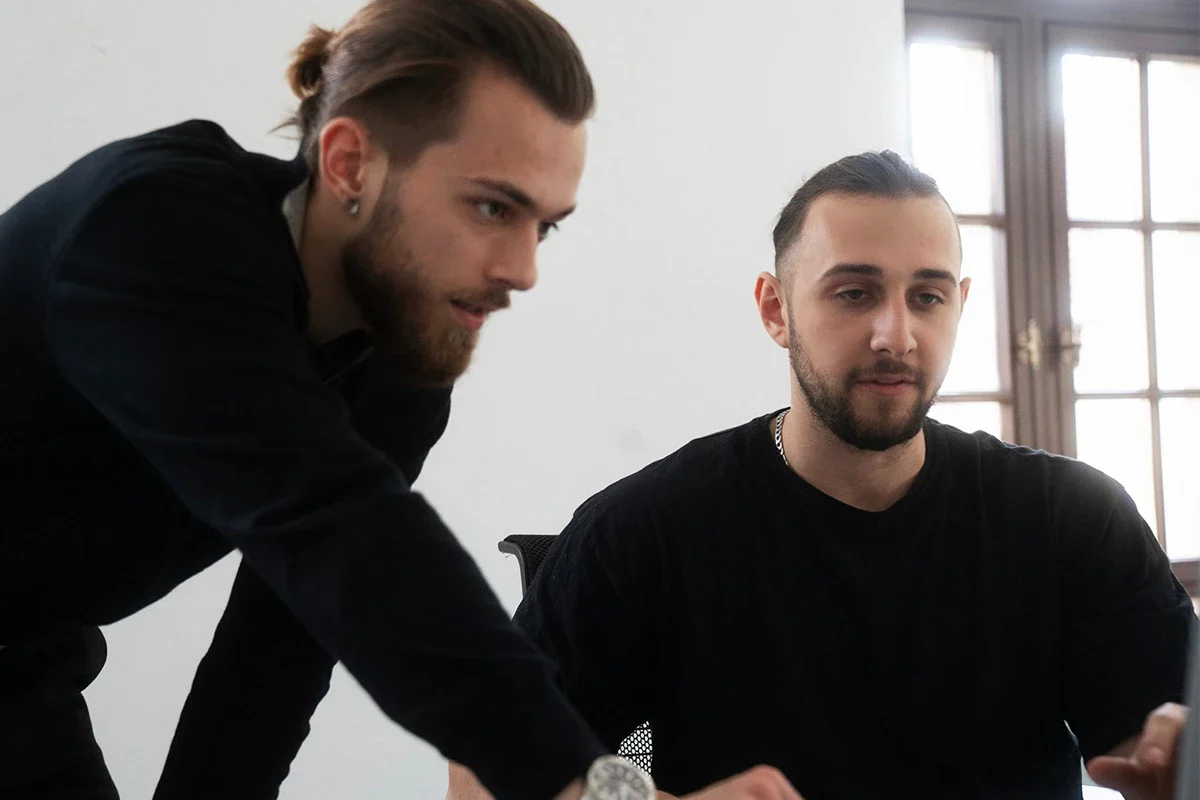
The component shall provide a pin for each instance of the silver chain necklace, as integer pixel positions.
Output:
(779, 438)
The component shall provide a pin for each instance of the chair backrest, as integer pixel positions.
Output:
(530, 550)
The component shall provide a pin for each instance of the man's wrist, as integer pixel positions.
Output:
(617, 778)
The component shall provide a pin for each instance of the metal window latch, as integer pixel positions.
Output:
(1029, 345)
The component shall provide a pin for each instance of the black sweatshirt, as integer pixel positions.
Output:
(162, 404)
(930, 650)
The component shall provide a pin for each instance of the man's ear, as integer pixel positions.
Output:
(345, 152)
(772, 307)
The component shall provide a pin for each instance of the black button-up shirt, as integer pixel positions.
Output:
(161, 404)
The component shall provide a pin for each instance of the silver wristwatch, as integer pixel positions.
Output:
(617, 778)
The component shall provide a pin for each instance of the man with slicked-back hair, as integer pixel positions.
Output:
(931, 613)
(207, 349)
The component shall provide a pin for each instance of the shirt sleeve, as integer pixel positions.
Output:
(403, 422)
(251, 701)
(593, 608)
(1125, 619)
(172, 314)
(263, 676)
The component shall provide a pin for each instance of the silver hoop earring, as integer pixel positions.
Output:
(352, 206)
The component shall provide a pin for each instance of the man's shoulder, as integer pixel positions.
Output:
(181, 212)
(196, 146)
(1004, 466)
(706, 470)
(203, 149)
(196, 156)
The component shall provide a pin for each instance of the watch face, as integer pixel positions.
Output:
(614, 778)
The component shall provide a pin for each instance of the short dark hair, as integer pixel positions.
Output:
(400, 68)
(876, 174)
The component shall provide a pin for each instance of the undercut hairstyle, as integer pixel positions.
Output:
(874, 174)
(400, 68)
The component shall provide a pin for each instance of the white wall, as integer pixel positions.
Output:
(641, 335)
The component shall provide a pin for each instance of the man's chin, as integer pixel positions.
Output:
(443, 375)
(879, 435)
(425, 370)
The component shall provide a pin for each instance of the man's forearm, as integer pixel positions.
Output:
(263, 671)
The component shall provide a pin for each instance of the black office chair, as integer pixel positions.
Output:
(530, 550)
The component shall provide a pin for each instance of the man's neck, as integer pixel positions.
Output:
(871, 481)
(331, 312)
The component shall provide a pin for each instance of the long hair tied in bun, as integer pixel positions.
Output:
(399, 67)
(304, 75)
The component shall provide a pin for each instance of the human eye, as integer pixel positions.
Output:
(491, 210)
(852, 297)
(929, 299)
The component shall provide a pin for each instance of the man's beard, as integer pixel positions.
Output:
(422, 345)
(833, 407)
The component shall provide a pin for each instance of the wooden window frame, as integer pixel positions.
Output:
(1029, 37)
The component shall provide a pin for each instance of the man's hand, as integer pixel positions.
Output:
(1144, 768)
(463, 785)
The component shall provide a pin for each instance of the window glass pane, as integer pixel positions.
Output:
(975, 365)
(1179, 419)
(1108, 302)
(971, 416)
(1174, 98)
(1114, 437)
(1176, 288)
(955, 122)
(1102, 117)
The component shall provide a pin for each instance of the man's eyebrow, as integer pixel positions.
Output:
(861, 270)
(517, 196)
(936, 275)
(872, 271)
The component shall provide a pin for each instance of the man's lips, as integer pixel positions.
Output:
(888, 379)
(888, 384)
(473, 315)
(469, 316)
